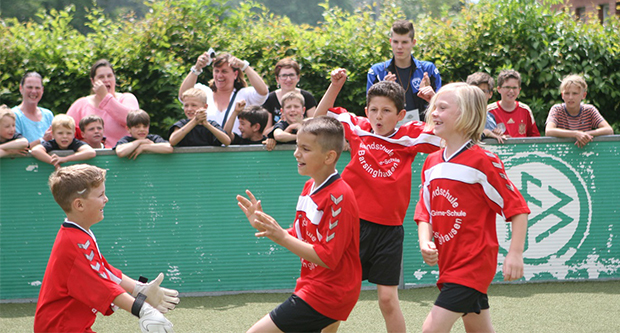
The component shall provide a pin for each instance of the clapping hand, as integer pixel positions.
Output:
(426, 91)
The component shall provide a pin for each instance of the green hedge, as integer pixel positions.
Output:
(153, 55)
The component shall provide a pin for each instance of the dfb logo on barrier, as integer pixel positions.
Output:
(561, 214)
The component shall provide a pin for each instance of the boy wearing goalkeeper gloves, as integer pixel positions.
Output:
(78, 280)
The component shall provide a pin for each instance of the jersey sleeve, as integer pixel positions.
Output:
(337, 229)
(94, 282)
(425, 140)
(421, 209)
(512, 202)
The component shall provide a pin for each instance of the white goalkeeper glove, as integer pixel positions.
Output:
(152, 321)
(160, 298)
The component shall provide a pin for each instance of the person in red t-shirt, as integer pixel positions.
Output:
(78, 280)
(380, 175)
(325, 236)
(514, 118)
(464, 187)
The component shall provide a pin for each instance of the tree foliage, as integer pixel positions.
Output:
(152, 55)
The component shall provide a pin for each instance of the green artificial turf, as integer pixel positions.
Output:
(533, 307)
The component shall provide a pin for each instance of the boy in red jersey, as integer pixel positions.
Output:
(325, 236)
(78, 280)
(380, 175)
(514, 117)
(464, 187)
(574, 119)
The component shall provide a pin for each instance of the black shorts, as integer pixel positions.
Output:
(381, 252)
(295, 315)
(458, 298)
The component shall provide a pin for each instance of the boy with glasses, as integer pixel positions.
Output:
(516, 119)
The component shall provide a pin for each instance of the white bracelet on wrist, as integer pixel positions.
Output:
(195, 71)
(245, 65)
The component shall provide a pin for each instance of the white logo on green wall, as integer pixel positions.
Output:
(561, 213)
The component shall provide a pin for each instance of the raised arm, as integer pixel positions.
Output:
(255, 80)
(338, 78)
(230, 122)
(192, 76)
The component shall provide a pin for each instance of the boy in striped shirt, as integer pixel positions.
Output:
(574, 119)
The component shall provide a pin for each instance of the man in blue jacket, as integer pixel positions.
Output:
(420, 79)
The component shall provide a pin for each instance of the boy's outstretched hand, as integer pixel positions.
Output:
(250, 208)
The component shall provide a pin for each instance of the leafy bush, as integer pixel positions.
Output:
(153, 55)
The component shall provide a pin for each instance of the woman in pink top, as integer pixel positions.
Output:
(105, 102)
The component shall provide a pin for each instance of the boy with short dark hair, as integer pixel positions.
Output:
(574, 119)
(486, 83)
(63, 133)
(252, 122)
(196, 130)
(139, 140)
(510, 115)
(380, 175)
(11, 142)
(325, 236)
(78, 280)
(91, 128)
(293, 110)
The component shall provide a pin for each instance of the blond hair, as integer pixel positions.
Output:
(62, 120)
(472, 104)
(293, 95)
(6, 112)
(74, 181)
(195, 92)
(576, 80)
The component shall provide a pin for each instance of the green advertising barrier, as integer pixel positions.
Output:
(177, 214)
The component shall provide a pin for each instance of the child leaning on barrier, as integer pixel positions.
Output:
(139, 140)
(63, 133)
(11, 142)
(252, 121)
(78, 280)
(574, 119)
(510, 115)
(92, 131)
(196, 129)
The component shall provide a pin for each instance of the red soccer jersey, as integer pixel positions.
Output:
(380, 167)
(78, 283)
(460, 197)
(519, 122)
(327, 218)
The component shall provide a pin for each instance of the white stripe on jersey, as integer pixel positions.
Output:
(461, 173)
(405, 141)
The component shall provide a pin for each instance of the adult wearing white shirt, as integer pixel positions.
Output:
(227, 87)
